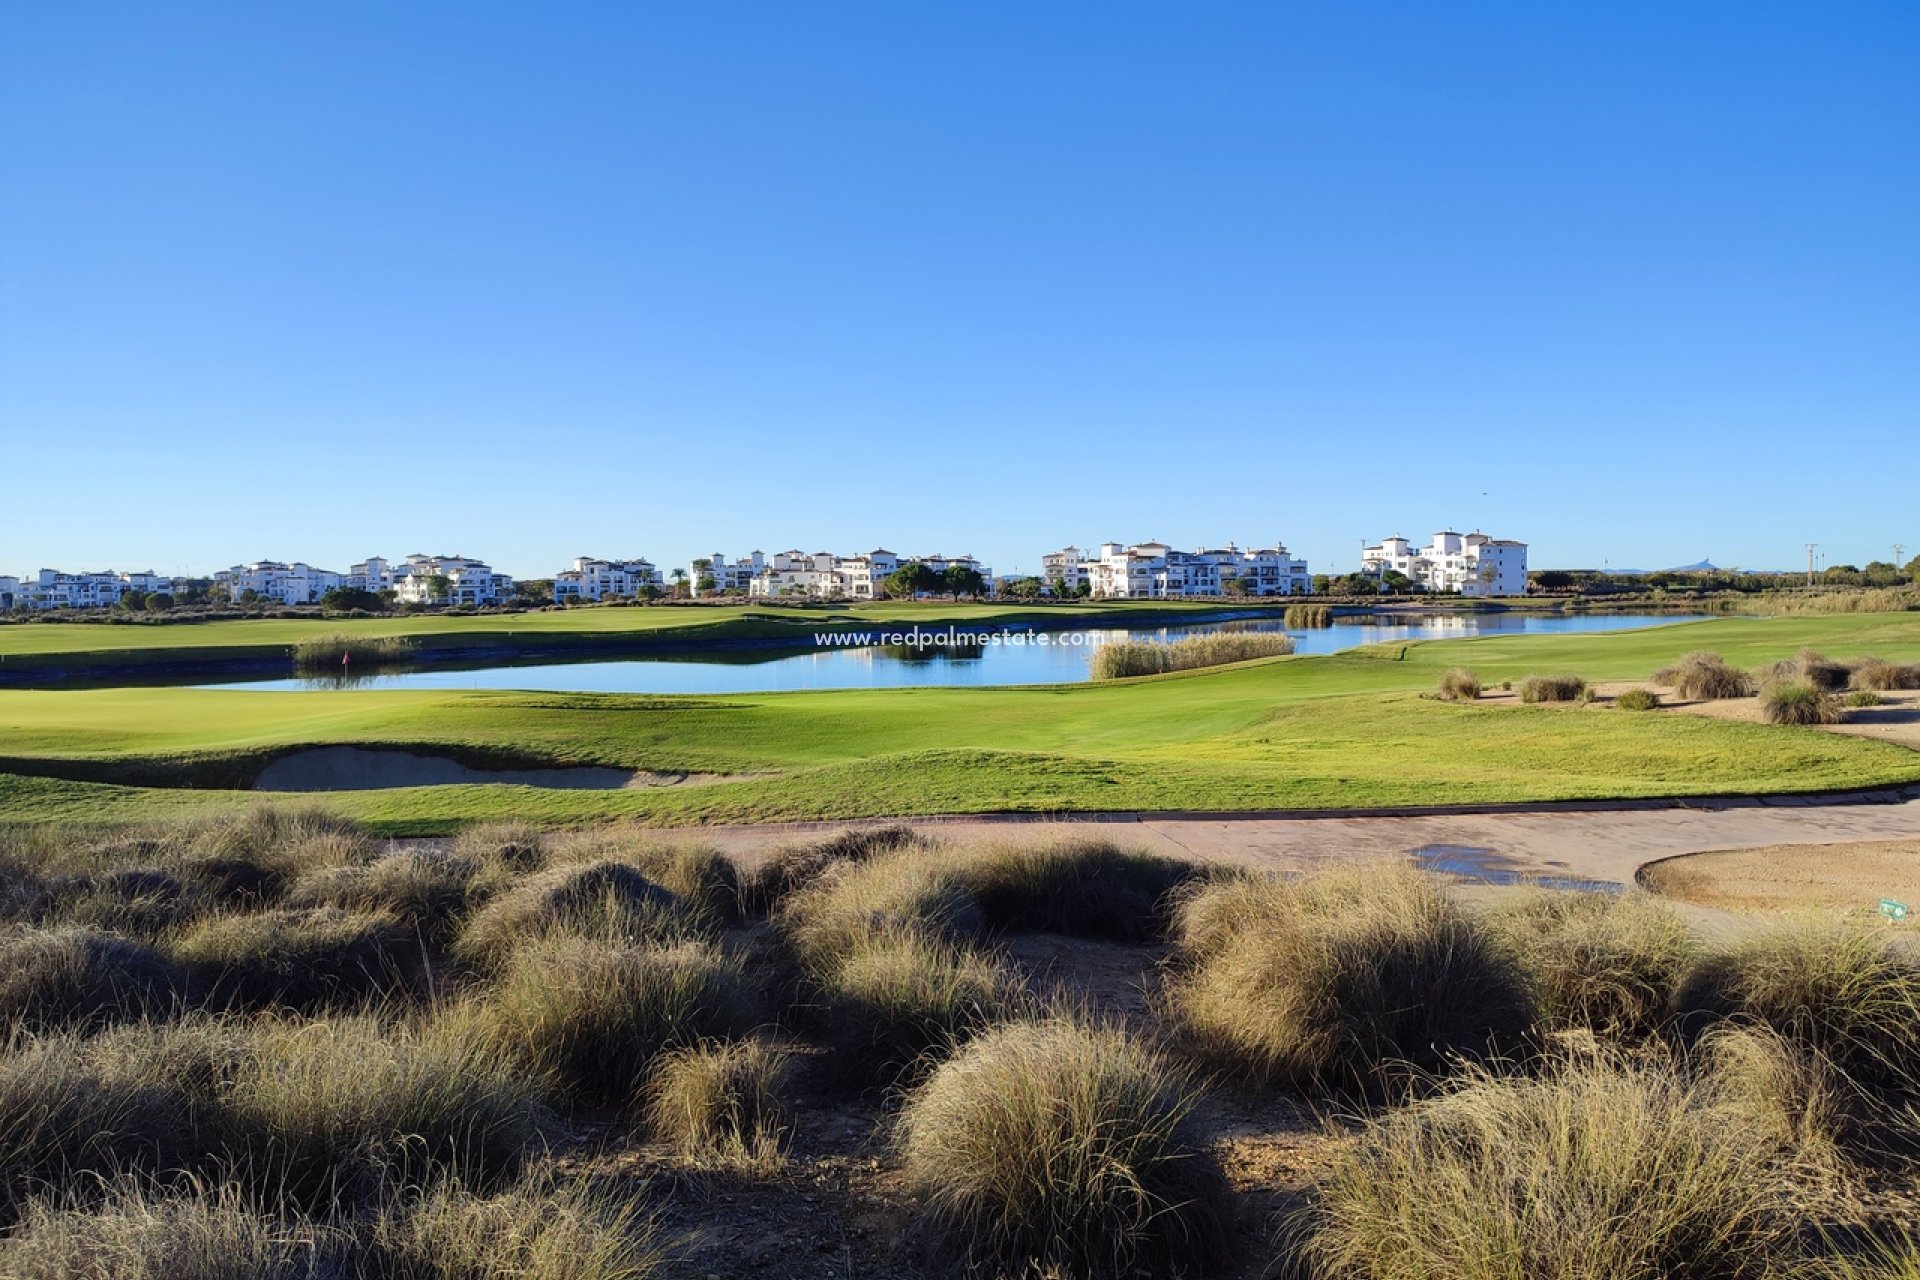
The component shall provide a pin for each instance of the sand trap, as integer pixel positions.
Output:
(1829, 881)
(374, 769)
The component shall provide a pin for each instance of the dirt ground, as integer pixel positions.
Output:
(1831, 882)
(1896, 720)
(839, 1209)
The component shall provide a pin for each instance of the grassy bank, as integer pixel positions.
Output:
(76, 645)
(1348, 730)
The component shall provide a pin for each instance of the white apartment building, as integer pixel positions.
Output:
(592, 579)
(727, 575)
(821, 575)
(469, 582)
(1152, 570)
(296, 583)
(52, 589)
(10, 593)
(1469, 564)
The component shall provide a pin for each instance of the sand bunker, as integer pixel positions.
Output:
(1845, 880)
(374, 769)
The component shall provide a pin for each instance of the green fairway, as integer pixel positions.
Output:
(1348, 730)
(109, 643)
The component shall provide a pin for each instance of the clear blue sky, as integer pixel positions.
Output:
(1635, 282)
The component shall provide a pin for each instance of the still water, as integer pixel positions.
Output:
(1044, 657)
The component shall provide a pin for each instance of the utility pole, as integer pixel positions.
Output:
(1811, 548)
(1899, 555)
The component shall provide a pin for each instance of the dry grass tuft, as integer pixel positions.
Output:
(1637, 700)
(719, 1104)
(324, 1111)
(428, 891)
(592, 1016)
(56, 978)
(303, 960)
(793, 867)
(1596, 1170)
(1598, 962)
(1060, 1148)
(850, 901)
(1798, 702)
(1123, 659)
(1850, 997)
(1076, 885)
(1880, 676)
(1554, 689)
(1458, 685)
(536, 1231)
(607, 901)
(898, 1000)
(1704, 676)
(200, 1233)
(1349, 978)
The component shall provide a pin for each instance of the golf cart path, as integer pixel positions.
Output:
(1607, 844)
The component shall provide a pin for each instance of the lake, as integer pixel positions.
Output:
(1041, 657)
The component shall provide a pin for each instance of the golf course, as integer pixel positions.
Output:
(1350, 731)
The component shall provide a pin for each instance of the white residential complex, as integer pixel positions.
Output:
(592, 579)
(468, 581)
(464, 581)
(1154, 570)
(1469, 564)
(51, 589)
(819, 575)
(295, 583)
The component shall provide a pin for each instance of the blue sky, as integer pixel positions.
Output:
(1635, 282)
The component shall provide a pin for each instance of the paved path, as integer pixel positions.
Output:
(1596, 843)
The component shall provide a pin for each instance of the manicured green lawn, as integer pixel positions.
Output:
(1346, 730)
(47, 643)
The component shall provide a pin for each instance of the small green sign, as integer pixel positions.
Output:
(1893, 910)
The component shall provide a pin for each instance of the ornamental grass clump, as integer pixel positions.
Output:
(1058, 1147)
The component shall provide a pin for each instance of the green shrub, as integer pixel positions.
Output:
(1703, 677)
(194, 1234)
(1598, 1170)
(1797, 702)
(719, 1104)
(303, 960)
(1122, 659)
(592, 1016)
(1458, 685)
(1850, 997)
(604, 901)
(1637, 700)
(532, 1232)
(1862, 698)
(1078, 885)
(83, 978)
(1059, 1148)
(1554, 689)
(1880, 676)
(1600, 962)
(1346, 977)
(795, 866)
